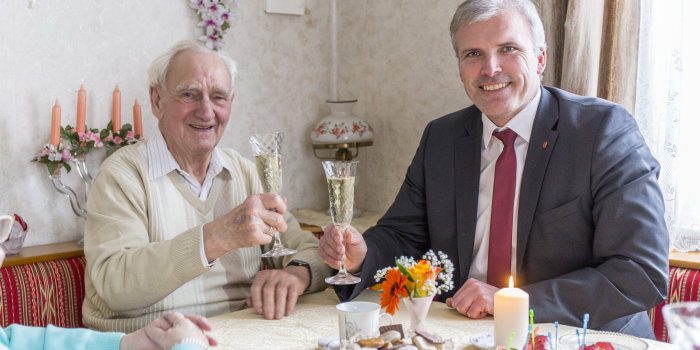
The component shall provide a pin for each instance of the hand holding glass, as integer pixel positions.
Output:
(268, 160)
(341, 193)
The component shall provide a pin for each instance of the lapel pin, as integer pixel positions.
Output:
(544, 145)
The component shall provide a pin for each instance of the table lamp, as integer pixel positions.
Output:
(341, 130)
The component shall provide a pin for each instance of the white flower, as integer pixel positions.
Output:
(211, 42)
(215, 17)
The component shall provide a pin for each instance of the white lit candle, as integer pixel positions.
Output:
(510, 313)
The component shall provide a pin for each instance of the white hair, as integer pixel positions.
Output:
(159, 69)
(472, 11)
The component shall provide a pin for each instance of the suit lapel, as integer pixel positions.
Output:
(542, 142)
(467, 151)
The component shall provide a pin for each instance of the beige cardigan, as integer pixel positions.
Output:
(142, 244)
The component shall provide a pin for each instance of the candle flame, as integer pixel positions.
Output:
(510, 282)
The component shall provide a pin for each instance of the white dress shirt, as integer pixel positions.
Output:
(491, 148)
(161, 162)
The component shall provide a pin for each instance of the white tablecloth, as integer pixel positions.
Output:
(315, 317)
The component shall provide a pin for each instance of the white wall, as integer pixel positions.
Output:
(395, 56)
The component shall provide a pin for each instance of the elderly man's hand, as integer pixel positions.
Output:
(249, 224)
(474, 299)
(334, 248)
(274, 293)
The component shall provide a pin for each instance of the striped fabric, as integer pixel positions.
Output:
(684, 285)
(43, 293)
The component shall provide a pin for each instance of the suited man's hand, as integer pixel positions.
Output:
(474, 299)
(334, 250)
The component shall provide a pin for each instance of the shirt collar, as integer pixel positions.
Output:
(521, 123)
(161, 161)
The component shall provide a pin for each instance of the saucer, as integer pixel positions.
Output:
(329, 343)
(483, 340)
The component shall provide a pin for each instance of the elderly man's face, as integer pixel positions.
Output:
(497, 66)
(194, 107)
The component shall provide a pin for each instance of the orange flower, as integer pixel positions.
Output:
(393, 288)
(423, 272)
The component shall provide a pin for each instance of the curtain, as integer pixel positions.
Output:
(592, 47)
(667, 97)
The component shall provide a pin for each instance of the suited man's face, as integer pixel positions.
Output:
(497, 65)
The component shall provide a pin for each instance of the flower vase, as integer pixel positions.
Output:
(418, 312)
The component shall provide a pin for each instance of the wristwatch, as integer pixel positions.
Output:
(300, 263)
(304, 264)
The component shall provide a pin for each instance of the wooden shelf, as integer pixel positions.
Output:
(313, 228)
(46, 252)
(689, 260)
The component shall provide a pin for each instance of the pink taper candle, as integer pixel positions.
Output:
(137, 118)
(56, 124)
(116, 110)
(80, 121)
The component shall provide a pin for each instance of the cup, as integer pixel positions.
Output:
(6, 222)
(359, 319)
(683, 323)
(12, 243)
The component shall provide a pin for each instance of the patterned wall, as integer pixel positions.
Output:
(394, 56)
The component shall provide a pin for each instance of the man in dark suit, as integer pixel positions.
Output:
(582, 209)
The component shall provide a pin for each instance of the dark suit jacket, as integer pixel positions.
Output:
(591, 236)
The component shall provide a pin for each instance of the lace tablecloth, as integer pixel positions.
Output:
(314, 217)
(315, 317)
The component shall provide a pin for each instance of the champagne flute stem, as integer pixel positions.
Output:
(342, 270)
(277, 238)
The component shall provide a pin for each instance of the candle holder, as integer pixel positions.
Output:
(74, 151)
(76, 203)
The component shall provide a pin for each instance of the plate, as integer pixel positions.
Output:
(618, 340)
(483, 340)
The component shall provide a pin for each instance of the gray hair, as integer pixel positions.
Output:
(158, 71)
(472, 11)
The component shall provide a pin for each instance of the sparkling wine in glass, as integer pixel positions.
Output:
(268, 160)
(341, 192)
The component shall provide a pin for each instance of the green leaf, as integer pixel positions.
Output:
(52, 167)
(403, 270)
(225, 26)
(65, 165)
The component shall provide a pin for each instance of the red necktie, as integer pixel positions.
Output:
(500, 238)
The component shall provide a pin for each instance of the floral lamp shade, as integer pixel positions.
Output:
(341, 126)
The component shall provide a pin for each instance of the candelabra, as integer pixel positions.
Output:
(77, 203)
(74, 151)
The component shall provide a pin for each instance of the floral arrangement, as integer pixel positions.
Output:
(112, 142)
(429, 276)
(80, 143)
(54, 157)
(216, 19)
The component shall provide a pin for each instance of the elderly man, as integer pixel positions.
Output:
(558, 190)
(175, 223)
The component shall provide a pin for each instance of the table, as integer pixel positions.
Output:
(315, 317)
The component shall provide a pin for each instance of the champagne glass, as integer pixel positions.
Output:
(268, 160)
(341, 182)
(683, 323)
